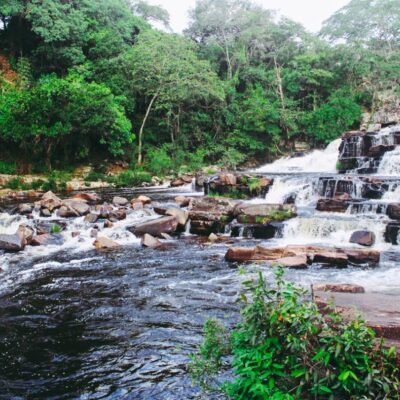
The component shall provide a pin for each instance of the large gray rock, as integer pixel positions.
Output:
(181, 216)
(120, 201)
(24, 209)
(26, 233)
(156, 227)
(13, 243)
(80, 207)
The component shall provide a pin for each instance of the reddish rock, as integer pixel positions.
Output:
(117, 215)
(180, 215)
(91, 198)
(104, 243)
(47, 239)
(108, 224)
(24, 209)
(333, 258)
(338, 288)
(181, 181)
(26, 233)
(79, 207)
(50, 201)
(137, 205)
(150, 241)
(240, 254)
(332, 205)
(228, 179)
(182, 201)
(12, 243)
(156, 227)
(144, 199)
(363, 238)
(91, 218)
(120, 201)
(299, 262)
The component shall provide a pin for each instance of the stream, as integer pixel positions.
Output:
(76, 323)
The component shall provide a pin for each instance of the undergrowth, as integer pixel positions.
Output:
(284, 348)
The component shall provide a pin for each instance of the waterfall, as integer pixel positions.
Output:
(390, 164)
(316, 161)
(303, 189)
(329, 230)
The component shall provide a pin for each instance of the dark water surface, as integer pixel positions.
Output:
(111, 325)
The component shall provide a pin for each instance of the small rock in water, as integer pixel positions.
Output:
(94, 233)
(45, 212)
(182, 201)
(91, 198)
(150, 241)
(363, 238)
(299, 262)
(120, 201)
(91, 218)
(26, 233)
(136, 205)
(338, 288)
(108, 224)
(103, 243)
(50, 201)
(142, 199)
(67, 212)
(75, 234)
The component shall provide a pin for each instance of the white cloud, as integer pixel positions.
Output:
(310, 13)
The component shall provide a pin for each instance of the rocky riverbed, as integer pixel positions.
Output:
(103, 294)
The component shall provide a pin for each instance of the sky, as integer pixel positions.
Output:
(310, 13)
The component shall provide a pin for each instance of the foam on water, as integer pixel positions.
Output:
(316, 161)
(390, 163)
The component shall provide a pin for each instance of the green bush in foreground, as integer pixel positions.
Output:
(284, 348)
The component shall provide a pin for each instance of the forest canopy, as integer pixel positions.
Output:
(88, 80)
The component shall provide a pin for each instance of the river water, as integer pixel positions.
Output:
(80, 324)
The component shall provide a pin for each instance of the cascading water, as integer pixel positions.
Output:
(390, 163)
(316, 161)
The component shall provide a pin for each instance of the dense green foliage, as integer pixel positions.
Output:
(92, 79)
(284, 348)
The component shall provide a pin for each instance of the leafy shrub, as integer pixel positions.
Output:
(15, 183)
(159, 162)
(284, 348)
(94, 176)
(8, 168)
(131, 178)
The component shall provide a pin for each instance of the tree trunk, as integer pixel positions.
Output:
(140, 144)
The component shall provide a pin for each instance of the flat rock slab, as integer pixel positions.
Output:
(380, 311)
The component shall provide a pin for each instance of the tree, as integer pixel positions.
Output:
(64, 117)
(165, 71)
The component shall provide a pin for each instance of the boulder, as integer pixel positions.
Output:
(50, 201)
(241, 254)
(12, 243)
(370, 257)
(392, 232)
(117, 215)
(104, 210)
(181, 216)
(90, 198)
(91, 218)
(166, 236)
(228, 179)
(338, 288)
(47, 239)
(24, 209)
(363, 238)
(136, 205)
(299, 262)
(26, 233)
(104, 243)
(120, 201)
(182, 201)
(144, 199)
(43, 227)
(80, 207)
(156, 227)
(182, 181)
(393, 211)
(108, 224)
(45, 213)
(67, 212)
(150, 241)
(213, 238)
(331, 257)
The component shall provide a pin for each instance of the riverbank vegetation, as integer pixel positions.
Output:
(285, 348)
(93, 81)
